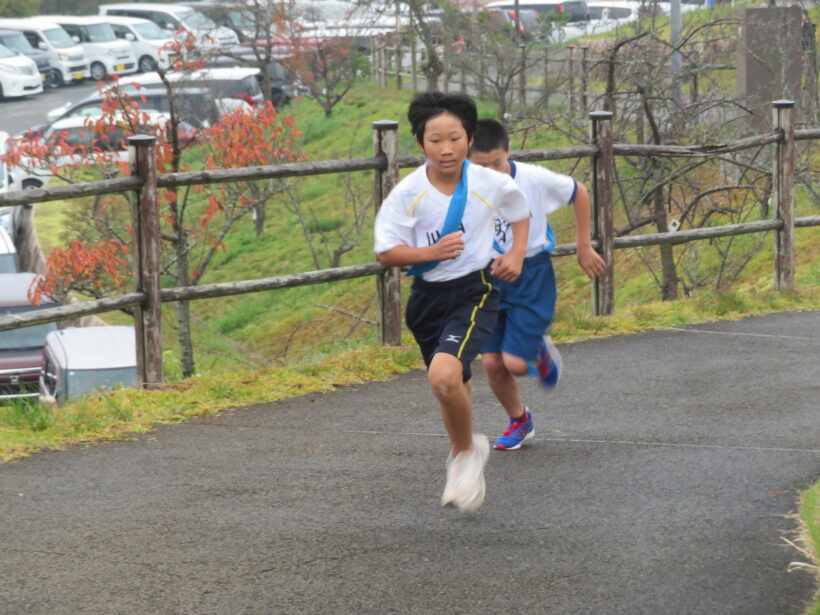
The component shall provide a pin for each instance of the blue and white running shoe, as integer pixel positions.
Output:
(516, 433)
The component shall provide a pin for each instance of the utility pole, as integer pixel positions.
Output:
(675, 39)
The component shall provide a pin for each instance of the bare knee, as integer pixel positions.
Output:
(493, 364)
(446, 377)
(515, 365)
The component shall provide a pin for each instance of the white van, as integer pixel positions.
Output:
(19, 75)
(65, 55)
(82, 360)
(148, 41)
(176, 17)
(108, 55)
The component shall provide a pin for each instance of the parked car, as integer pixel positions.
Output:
(21, 350)
(18, 75)
(69, 62)
(576, 11)
(527, 20)
(148, 41)
(9, 262)
(18, 43)
(194, 104)
(238, 83)
(74, 143)
(108, 55)
(82, 360)
(175, 18)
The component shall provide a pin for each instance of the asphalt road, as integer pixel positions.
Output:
(17, 114)
(662, 480)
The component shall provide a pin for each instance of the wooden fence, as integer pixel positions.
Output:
(147, 297)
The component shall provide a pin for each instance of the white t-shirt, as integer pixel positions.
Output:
(413, 215)
(546, 192)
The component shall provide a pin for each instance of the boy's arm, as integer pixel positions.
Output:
(590, 261)
(446, 248)
(508, 266)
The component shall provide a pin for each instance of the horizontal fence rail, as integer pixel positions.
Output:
(386, 163)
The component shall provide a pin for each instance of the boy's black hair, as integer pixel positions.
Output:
(490, 134)
(430, 104)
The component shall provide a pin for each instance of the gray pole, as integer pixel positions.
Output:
(675, 39)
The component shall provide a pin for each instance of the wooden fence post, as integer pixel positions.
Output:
(783, 111)
(388, 283)
(522, 76)
(571, 82)
(603, 287)
(148, 316)
(584, 79)
(398, 44)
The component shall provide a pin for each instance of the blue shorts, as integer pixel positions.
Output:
(454, 317)
(527, 309)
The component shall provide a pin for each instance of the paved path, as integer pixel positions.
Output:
(661, 482)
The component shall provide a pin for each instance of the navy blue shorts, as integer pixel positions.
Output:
(527, 309)
(455, 316)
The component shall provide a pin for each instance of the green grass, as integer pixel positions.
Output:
(809, 539)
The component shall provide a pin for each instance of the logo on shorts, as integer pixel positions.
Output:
(453, 338)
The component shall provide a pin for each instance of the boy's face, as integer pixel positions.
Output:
(445, 143)
(497, 159)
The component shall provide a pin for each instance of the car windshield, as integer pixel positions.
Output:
(100, 33)
(17, 42)
(24, 337)
(5, 52)
(196, 20)
(59, 38)
(151, 31)
(82, 381)
(241, 19)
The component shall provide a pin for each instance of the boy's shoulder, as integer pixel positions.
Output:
(535, 172)
(486, 177)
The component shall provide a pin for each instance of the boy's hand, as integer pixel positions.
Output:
(591, 262)
(448, 247)
(507, 267)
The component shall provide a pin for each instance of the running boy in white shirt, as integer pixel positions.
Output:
(440, 220)
(518, 346)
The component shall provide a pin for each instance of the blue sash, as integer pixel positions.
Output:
(452, 222)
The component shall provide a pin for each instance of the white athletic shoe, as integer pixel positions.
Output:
(465, 476)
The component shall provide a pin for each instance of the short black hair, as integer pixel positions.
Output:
(490, 134)
(430, 104)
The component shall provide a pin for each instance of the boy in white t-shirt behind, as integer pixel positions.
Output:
(440, 219)
(518, 345)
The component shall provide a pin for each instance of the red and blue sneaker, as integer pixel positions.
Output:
(516, 433)
(548, 364)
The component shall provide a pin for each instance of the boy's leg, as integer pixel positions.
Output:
(445, 376)
(502, 383)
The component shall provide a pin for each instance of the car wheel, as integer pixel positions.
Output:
(32, 184)
(54, 78)
(147, 64)
(97, 71)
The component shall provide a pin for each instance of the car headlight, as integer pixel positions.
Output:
(13, 70)
(111, 52)
(63, 55)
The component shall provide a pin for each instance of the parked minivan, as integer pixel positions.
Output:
(65, 55)
(18, 43)
(108, 55)
(81, 360)
(18, 75)
(176, 17)
(148, 41)
(21, 350)
(575, 10)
